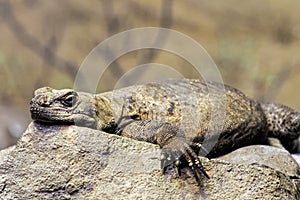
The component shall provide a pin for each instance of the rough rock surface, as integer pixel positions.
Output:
(297, 157)
(273, 157)
(69, 162)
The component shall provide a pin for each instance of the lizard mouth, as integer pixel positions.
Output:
(54, 116)
(61, 116)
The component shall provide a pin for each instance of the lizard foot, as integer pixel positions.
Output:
(177, 152)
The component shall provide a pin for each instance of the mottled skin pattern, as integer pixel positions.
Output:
(284, 124)
(184, 117)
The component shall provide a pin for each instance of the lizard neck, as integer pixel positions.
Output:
(104, 114)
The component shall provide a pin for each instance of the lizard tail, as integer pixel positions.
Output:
(284, 124)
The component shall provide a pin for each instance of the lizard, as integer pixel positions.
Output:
(184, 117)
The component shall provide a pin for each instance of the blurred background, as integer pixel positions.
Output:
(255, 45)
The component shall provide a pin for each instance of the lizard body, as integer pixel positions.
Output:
(181, 116)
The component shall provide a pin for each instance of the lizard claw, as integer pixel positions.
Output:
(169, 158)
(177, 152)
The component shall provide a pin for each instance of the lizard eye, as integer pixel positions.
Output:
(70, 99)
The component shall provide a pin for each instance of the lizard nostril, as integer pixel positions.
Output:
(44, 101)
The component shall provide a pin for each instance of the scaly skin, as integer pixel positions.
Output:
(181, 116)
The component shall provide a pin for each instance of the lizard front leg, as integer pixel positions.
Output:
(175, 147)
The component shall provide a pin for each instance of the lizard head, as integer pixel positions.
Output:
(67, 106)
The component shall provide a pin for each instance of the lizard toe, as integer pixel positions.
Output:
(179, 154)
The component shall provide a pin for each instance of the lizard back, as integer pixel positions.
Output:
(219, 116)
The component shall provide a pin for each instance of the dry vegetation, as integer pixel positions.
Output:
(254, 43)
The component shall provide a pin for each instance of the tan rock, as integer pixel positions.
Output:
(69, 162)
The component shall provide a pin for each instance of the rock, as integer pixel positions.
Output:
(276, 143)
(276, 158)
(4, 153)
(297, 157)
(69, 162)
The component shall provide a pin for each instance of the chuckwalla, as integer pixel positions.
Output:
(186, 118)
